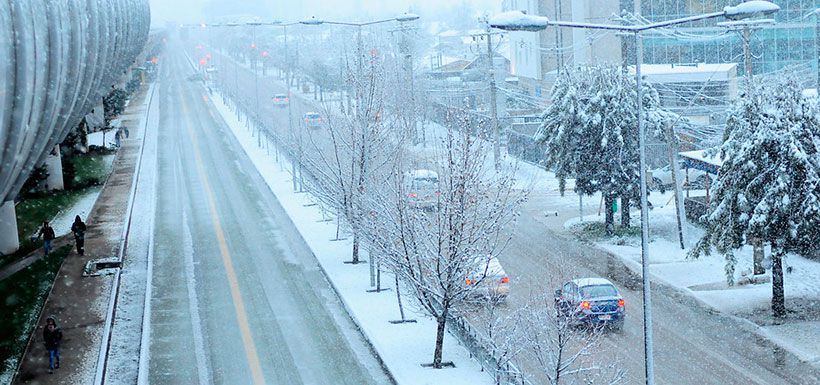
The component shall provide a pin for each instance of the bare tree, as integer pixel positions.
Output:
(350, 150)
(434, 250)
(553, 349)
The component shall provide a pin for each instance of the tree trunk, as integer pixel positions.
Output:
(442, 322)
(378, 276)
(778, 297)
(610, 216)
(757, 253)
(625, 219)
(398, 297)
(355, 247)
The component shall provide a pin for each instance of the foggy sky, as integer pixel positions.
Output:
(191, 11)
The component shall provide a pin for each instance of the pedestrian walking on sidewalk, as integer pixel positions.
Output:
(117, 140)
(78, 228)
(47, 233)
(52, 335)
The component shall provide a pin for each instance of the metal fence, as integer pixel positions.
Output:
(480, 347)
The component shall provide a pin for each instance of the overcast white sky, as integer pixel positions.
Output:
(190, 11)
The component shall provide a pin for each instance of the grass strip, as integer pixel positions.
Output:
(21, 297)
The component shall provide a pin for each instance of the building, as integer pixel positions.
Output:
(790, 42)
(533, 56)
(700, 92)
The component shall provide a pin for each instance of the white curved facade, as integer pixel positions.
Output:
(57, 59)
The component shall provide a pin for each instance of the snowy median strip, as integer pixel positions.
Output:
(403, 348)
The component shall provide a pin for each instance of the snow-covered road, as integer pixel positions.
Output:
(237, 296)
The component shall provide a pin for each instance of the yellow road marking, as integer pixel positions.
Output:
(227, 261)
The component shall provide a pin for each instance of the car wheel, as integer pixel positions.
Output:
(700, 182)
(659, 184)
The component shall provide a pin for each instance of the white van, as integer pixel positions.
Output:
(422, 188)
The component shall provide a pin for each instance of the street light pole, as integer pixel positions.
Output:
(647, 298)
(359, 48)
(493, 102)
(408, 63)
(254, 66)
(294, 170)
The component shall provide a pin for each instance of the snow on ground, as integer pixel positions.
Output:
(127, 328)
(403, 348)
(102, 139)
(82, 207)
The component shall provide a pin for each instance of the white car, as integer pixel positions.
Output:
(489, 277)
(422, 188)
(661, 178)
(280, 100)
(312, 120)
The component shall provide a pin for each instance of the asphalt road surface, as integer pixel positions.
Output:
(237, 296)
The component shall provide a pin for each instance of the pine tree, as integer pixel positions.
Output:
(769, 183)
(590, 133)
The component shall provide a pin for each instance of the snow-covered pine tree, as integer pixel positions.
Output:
(590, 132)
(769, 183)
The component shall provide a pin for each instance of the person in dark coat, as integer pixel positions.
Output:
(47, 233)
(52, 335)
(78, 228)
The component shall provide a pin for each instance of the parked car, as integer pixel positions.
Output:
(490, 279)
(422, 188)
(591, 301)
(661, 179)
(280, 100)
(312, 120)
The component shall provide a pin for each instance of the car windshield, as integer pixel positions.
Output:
(280, 96)
(425, 183)
(312, 116)
(598, 291)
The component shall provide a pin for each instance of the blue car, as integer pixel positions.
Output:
(591, 301)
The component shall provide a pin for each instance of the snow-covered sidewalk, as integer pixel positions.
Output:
(404, 347)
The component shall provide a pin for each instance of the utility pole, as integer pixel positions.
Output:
(674, 167)
(496, 130)
(747, 51)
(254, 65)
(407, 52)
(745, 27)
(559, 38)
(293, 163)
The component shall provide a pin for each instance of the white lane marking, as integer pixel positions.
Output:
(203, 366)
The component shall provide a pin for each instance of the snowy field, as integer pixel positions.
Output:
(403, 348)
